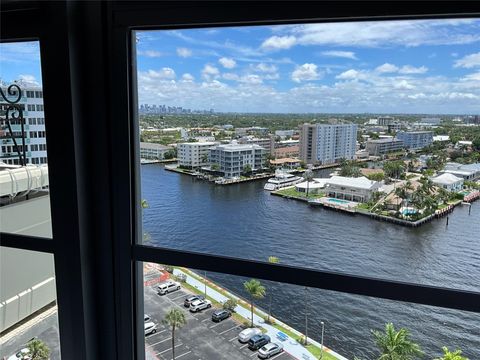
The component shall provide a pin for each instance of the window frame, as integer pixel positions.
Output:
(187, 16)
(99, 261)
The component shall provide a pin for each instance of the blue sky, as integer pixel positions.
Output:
(382, 67)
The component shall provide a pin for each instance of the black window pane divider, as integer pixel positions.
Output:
(27, 242)
(327, 280)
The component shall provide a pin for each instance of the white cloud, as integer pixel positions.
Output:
(403, 85)
(279, 42)
(251, 79)
(382, 33)
(230, 76)
(184, 52)
(227, 63)
(28, 79)
(164, 73)
(468, 61)
(473, 77)
(351, 75)
(408, 69)
(340, 54)
(306, 72)
(386, 68)
(150, 53)
(188, 77)
(210, 72)
(265, 68)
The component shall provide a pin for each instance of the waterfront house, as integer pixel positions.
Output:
(153, 151)
(358, 189)
(470, 172)
(286, 163)
(315, 186)
(448, 182)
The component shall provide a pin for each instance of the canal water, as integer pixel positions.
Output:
(245, 221)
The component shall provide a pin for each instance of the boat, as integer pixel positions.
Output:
(281, 180)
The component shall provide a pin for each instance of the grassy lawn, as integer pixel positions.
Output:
(364, 206)
(294, 193)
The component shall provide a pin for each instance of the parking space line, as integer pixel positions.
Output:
(278, 355)
(156, 333)
(232, 338)
(178, 297)
(205, 319)
(158, 342)
(211, 327)
(255, 353)
(241, 347)
(179, 356)
(223, 332)
(169, 349)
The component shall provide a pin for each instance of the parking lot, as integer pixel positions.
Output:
(200, 338)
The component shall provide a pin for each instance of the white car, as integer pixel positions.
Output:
(150, 328)
(168, 287)
(146, 318)
(199, 305)
(269, 350)
(247, 334)
(23, 354)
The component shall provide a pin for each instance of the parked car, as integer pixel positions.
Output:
(23, 354)
(146, 318)
(257, 341)
(219, 315)
(191, 299)
(168, 287)
(150, 328)
(247, 334)
(199, 305)
(269, 350)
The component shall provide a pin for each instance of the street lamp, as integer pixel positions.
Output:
(321, 344)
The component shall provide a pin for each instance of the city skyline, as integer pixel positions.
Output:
(414, 66)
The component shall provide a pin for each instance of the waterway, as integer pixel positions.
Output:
(245, 221)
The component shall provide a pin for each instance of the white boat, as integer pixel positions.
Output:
(281, 180)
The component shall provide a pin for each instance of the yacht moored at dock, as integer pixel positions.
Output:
(281, 180)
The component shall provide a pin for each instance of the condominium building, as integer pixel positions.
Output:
(194, 154)
(327, 144)
(415, 139)
(267, 143)
(383, 146)
(153, 151)
(31, 102)
(232, 159)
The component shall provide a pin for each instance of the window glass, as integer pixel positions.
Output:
(28, 310)
(24, 194)
(285, 313)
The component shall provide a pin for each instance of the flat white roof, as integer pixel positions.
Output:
(237, 147)
(145, 145)
(206, 143)
(359, 182)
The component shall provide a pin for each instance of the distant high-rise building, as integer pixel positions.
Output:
(327, 144)
(34, 128)
(415, 139)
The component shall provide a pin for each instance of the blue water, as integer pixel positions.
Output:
(245, 221)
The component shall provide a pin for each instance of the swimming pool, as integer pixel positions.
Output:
(409, 211)
(338, 201)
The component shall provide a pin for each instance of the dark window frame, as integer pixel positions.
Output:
(99, 262)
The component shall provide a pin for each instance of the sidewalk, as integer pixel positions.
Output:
(290, 345)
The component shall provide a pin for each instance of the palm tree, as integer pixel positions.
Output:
(38, 350)
(271, 260)
(308, 176)
(256, 291)
(448, 355)
(174, 319)
(396, 345)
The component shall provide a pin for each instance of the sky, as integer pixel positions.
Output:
(412, 66)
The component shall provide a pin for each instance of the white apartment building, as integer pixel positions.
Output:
(153, 151)
(194, 154)
(327, 144)
(232, 158)
(35, 140)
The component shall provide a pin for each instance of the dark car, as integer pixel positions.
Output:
(220, 315)
(191, 299)
(258, 341)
